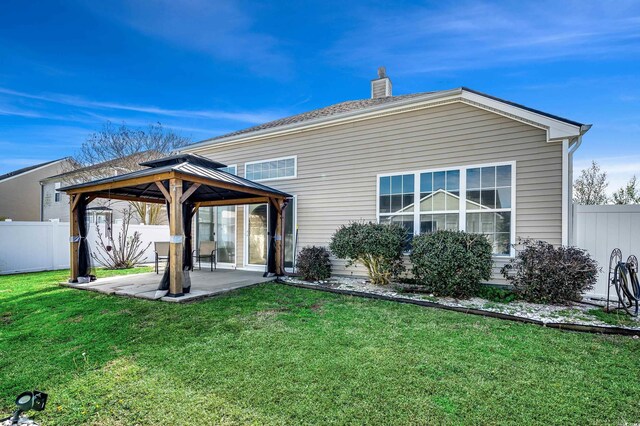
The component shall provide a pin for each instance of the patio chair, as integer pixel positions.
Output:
(161, 249)
(207, 250)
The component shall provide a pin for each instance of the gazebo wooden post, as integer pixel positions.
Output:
(279, 235)
(176, 238)
(74, 240)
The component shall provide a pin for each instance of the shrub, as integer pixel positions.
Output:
(496, 294)
(377, 246)
(451, 263)
(124, 252)
(542, 273)
(313, 263)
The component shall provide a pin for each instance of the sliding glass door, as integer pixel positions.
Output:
(256, 228)
(226, 234)
(290, 218)
(219, 224)
(256, 235)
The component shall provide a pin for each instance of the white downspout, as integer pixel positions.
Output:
(576, 142)
(565, 192)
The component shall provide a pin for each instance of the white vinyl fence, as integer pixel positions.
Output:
(44, 246)
(600, 229)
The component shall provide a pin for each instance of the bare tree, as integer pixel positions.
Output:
(118, 149)
(629, 194)
(591, 186)
(123, 252)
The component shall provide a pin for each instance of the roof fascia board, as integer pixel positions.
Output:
(556, 130)
(32, 170)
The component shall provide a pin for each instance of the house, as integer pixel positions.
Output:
(55, 203)
(450, 159)
(20, 190)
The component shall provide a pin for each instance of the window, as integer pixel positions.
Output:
(56, 196)
(489, 205)
(230, 169)
(289, 234)
(397, 194)
(219, 224)
(439, 200)
(279, 168)
(476, 199)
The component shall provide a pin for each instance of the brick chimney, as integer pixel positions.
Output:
(381, 86)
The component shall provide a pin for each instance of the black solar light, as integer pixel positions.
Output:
(26, 401)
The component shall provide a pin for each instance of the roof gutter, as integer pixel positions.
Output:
(584, 129)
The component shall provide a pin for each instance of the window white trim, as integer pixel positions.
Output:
(295, 168)
(462, 210)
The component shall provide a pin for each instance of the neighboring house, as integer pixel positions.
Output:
(55, 204)
(20, 190)
(452, 159)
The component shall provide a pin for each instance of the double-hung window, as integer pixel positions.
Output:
(477, 199)
(56, 193)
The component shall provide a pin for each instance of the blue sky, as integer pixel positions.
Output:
(204, 68)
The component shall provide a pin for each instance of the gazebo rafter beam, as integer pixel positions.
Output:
(164, 191)
(225, 185)
(132, 198)
(120, 183)
(193, 188)
(234, 202)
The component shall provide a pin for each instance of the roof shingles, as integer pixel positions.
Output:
(331, 110)
(363, 104)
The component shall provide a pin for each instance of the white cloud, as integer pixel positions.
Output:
(252, 117)
(223, 29)
(450, 36)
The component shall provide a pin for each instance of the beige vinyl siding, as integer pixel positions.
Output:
(337, 166)
(20, 195)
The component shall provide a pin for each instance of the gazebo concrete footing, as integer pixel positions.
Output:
(203, 284)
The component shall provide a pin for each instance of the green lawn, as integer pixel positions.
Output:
(273, 354)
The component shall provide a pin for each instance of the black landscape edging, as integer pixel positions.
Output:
(560, 326)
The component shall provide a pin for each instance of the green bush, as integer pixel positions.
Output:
(451, 263)
(313, 263)
(542, 273)
(377, 246)
(496, 294)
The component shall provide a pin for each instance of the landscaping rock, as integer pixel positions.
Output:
(577, 313)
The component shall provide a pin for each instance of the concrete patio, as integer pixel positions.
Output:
(204, 283)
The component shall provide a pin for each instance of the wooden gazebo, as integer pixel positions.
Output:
(184, 183)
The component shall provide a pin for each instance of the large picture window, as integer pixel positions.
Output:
(476, 199)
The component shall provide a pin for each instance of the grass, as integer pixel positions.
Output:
(274, 354)
(614, 317)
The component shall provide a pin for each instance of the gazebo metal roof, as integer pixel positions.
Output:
(214, 184)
